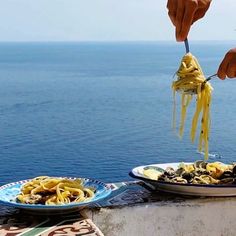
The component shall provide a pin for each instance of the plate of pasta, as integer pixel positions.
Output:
(200, 178)
(53, 193)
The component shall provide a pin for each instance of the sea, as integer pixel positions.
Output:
(99, 109)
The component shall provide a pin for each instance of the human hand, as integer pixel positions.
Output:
(228, 65)
(183, 13)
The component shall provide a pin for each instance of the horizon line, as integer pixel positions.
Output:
(114, 41)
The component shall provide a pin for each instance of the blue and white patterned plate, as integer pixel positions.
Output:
(209, 190)
(9, 192)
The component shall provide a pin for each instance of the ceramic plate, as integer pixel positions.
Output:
(184, 189)
(9, 192)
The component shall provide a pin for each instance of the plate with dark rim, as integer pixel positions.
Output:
(209, 190)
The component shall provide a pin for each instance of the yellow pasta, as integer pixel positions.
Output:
(53, 191)
(191, 82)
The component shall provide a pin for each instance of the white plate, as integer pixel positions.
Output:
(184, 189)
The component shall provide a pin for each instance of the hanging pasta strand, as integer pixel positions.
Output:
(174, 110)
(186, 98)
(197, 113)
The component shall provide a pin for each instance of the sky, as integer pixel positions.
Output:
(107, 20)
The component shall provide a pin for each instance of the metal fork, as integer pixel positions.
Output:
(186, 45)
(207, 79)
(210, 77)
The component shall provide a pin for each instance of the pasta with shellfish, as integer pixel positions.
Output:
(199, 172)
(54, 191)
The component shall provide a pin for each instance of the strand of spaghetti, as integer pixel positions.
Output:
(197, 113)
(174, 110)
(206, 125)
(51, 200)
(49, 184)
(60, 198)
(201, 137)
(89, 192)
(185, 103)
(183, 113)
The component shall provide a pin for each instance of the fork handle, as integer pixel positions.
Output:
(210, 77)
(186, 45)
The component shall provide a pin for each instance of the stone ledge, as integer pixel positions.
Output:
(191, 217)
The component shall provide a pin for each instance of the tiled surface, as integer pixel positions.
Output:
(14, 222)
(31, 225)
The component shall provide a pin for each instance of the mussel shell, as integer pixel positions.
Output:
(227, 174)
(188, 176)
(164, 178)
(179, 180)
(200, 172)
(180, 171)
(169, 171)
(204, 179)
(200, 164)
(234, 170)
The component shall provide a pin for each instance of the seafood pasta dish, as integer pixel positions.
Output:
(54, 191)
(199, 172)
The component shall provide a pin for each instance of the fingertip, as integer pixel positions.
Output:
(179, 37)
(222, 70)
(178, 40)
(221, 75)
(182, 37)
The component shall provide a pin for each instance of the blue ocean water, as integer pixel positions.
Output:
(99, 109)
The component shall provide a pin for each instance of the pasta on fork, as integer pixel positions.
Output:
(190, 83)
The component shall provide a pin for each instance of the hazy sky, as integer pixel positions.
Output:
(99, 20)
